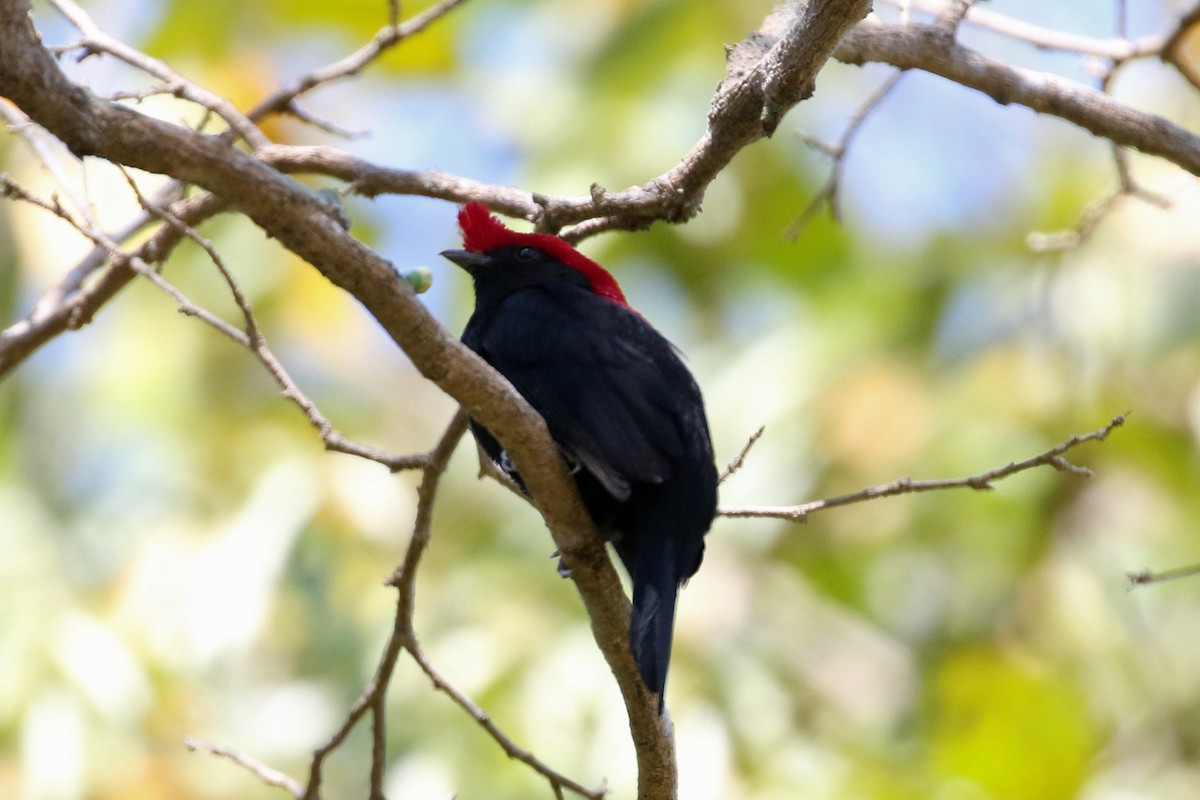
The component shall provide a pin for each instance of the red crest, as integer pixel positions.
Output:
(482, 232)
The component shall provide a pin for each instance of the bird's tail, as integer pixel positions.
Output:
(655, 587)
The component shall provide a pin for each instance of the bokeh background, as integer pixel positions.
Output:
(178, 556)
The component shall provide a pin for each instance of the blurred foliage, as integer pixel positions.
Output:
(180, 557)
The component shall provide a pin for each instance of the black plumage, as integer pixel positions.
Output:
(617, 399)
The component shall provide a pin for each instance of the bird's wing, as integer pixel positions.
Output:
(607, 384)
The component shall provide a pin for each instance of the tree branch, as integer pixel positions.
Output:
(269, 776)
(97, 41)
(830, 193)
(982, 482)
(307, 226)
(1047, 38)
(677, 193)
(404, 631)
(374, 696)
(927, 48)
(73, 303)
(768, 74)
(1147, 577)
(392, 34)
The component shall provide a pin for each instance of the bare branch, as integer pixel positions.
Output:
(672, 195)
(386, 38)
(831, 191)
(1126, 188)
(71, 304)
(55, 313)
(44, 146)
(762, 84)
(1095, 213)
(981, 482)
(951, 16)
(740, 458)
(766, 75)
(557, 780)
(97, 41)
(269, 776)
(923, 47)
(323, 124)
(254, 341)
(1147, 577)
(374, 694)
(403, 638)
(1120, 49)
(404, 633)
(1170, 52)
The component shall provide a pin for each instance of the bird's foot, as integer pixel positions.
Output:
(563, 570)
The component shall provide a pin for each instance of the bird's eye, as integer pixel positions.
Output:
(527, 254)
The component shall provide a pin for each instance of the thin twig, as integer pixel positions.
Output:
(268, 775)
(63, 306)
(96, 40)
(312, 119)
(1127, 187)
(385, 39)
(981, 482)
(1147, 577)
(830, 193)
(740, 458)
(403, 638)
(1044, 38)
(47, 149)
(374, 694)
(404, 632)
(254, 341)
(557, 780)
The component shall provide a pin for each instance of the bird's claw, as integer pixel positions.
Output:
(563, 570)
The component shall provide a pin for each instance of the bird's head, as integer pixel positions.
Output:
(497, 256)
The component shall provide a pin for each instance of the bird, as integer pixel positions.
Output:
(624, 410)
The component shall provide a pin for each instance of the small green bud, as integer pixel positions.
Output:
(420, 279)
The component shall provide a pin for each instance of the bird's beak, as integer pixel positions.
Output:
(466, 259)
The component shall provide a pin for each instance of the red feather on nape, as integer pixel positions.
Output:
(483, 232)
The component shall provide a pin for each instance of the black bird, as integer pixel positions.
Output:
(624, 410)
